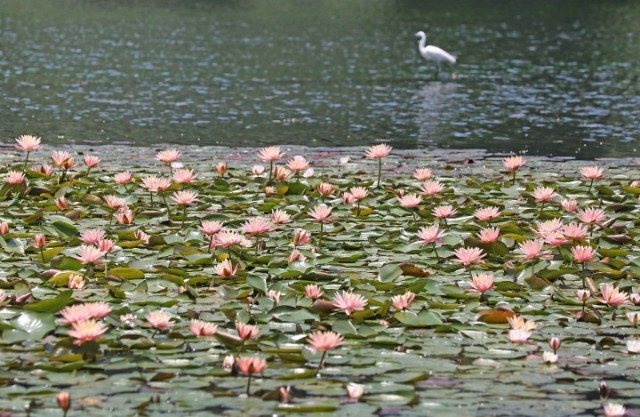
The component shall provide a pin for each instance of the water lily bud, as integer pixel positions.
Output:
(554, 343)
(64, 401)
(604, 390)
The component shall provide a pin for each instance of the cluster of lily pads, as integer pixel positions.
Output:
(346, 283)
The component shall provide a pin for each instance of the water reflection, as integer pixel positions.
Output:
(536, 76)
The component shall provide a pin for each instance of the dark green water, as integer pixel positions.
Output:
(551, 78)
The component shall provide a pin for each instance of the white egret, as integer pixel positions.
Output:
(433, 53)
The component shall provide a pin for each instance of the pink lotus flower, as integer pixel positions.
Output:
(549, 226)
(250, 366)
(591, 216)
(226, 269)
(443, 212)
(221, 168)
(257, 226)
(569, 205)
(280, 216)
(349, 302)
(403, 301)
(543, 194)
(359, 193)
(76, 282)
(592, 172)
(531, 249)
(257, 170)
(226, 238)
(92, 236)
(45, 169)
(355, 391)
(4, 228)
(124, 215)
(184, 198)
(40, 241)
(184, 176)
(298, 163)
(312, 291)
(61, 158)
(324, 188)
(614, 410)
(378, 151)
(61, 203)
(323, 341)
(481, 283)
(82, 312)
(554, 239)
(281, 173)
(91, 161)
(422, 174)
(582, 253)
(296, 256)
(122, 177)
(270, 154)
(159, 320)
(114, 202)
(301, 237)
(14, 177)
(409, 201)
(348, 198)
(519, 323)
(512, 163)
(583, 295)
(487, 213)
(431, 188)
(431, 234)
(574, 231)
(90, 255)
(519, 336)
(489, 234)
(168, 156)
(321, 214)
(469, 256)
(246, 331)
(155, 184)
(27, 143)
(612, 296)
(274, 295)
(202, 328)
(210, 227)
(86, 331)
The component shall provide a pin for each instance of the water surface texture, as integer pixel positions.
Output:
(549, 78)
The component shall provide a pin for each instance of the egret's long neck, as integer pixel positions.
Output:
(422, 43)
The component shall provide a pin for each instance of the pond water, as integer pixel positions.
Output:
(540, 77)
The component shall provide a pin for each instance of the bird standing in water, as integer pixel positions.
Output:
(433, 53)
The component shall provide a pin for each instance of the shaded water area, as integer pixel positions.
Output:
(548, 78)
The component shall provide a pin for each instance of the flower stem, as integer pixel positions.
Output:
(321, 364)
(249, 385)
(24, 168)
(513, 180)
(379, 171)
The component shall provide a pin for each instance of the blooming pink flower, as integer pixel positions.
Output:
(227, 238)
(270, 154)
(489, 234)
(431, 234)
(519, 336)
(257, 170)
(247, 331)
(90, 255)
(487, 213)
(281, 173)
(410, 200)
(280, 217)
(469, 256)
(349, 302)
(27, 143)
(324, 188)
(569, 205)
(531, 249)
(301, 237)
(312, 291)
(221, 168)
(92, 236)
(614, 410)
(141, 235)
(124, 215)
(274, 295)
(184, 176)
(431, 188)
(86, 331)
(443, 212)
(359, 193)
(612, 296)
(91, 161)
(348, 198)
(122, 177)
(323, 341)
(184, 198)
(61, 203)
(556, 239)
(378, 151)
(543, 194)
(592, 172)
(296, 256)
(210, 227)
(45, 169)
(422, 174)
(14, 177)
(114, 202)
(226, 269)
(155, 184)
(298, 163)
(519, 323)
(76, 282)
(257, 226)
(591, 216)
(512, 163)
(82, 312)
(481, 283)
(159, 319)
(168, 156)
(202, 328)
(574, 231)
(250, 366)
(321, 214)
(403, 301)
(61, 158)
(106, 245)
(582, 253)
(40, 241)
(355, 391)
